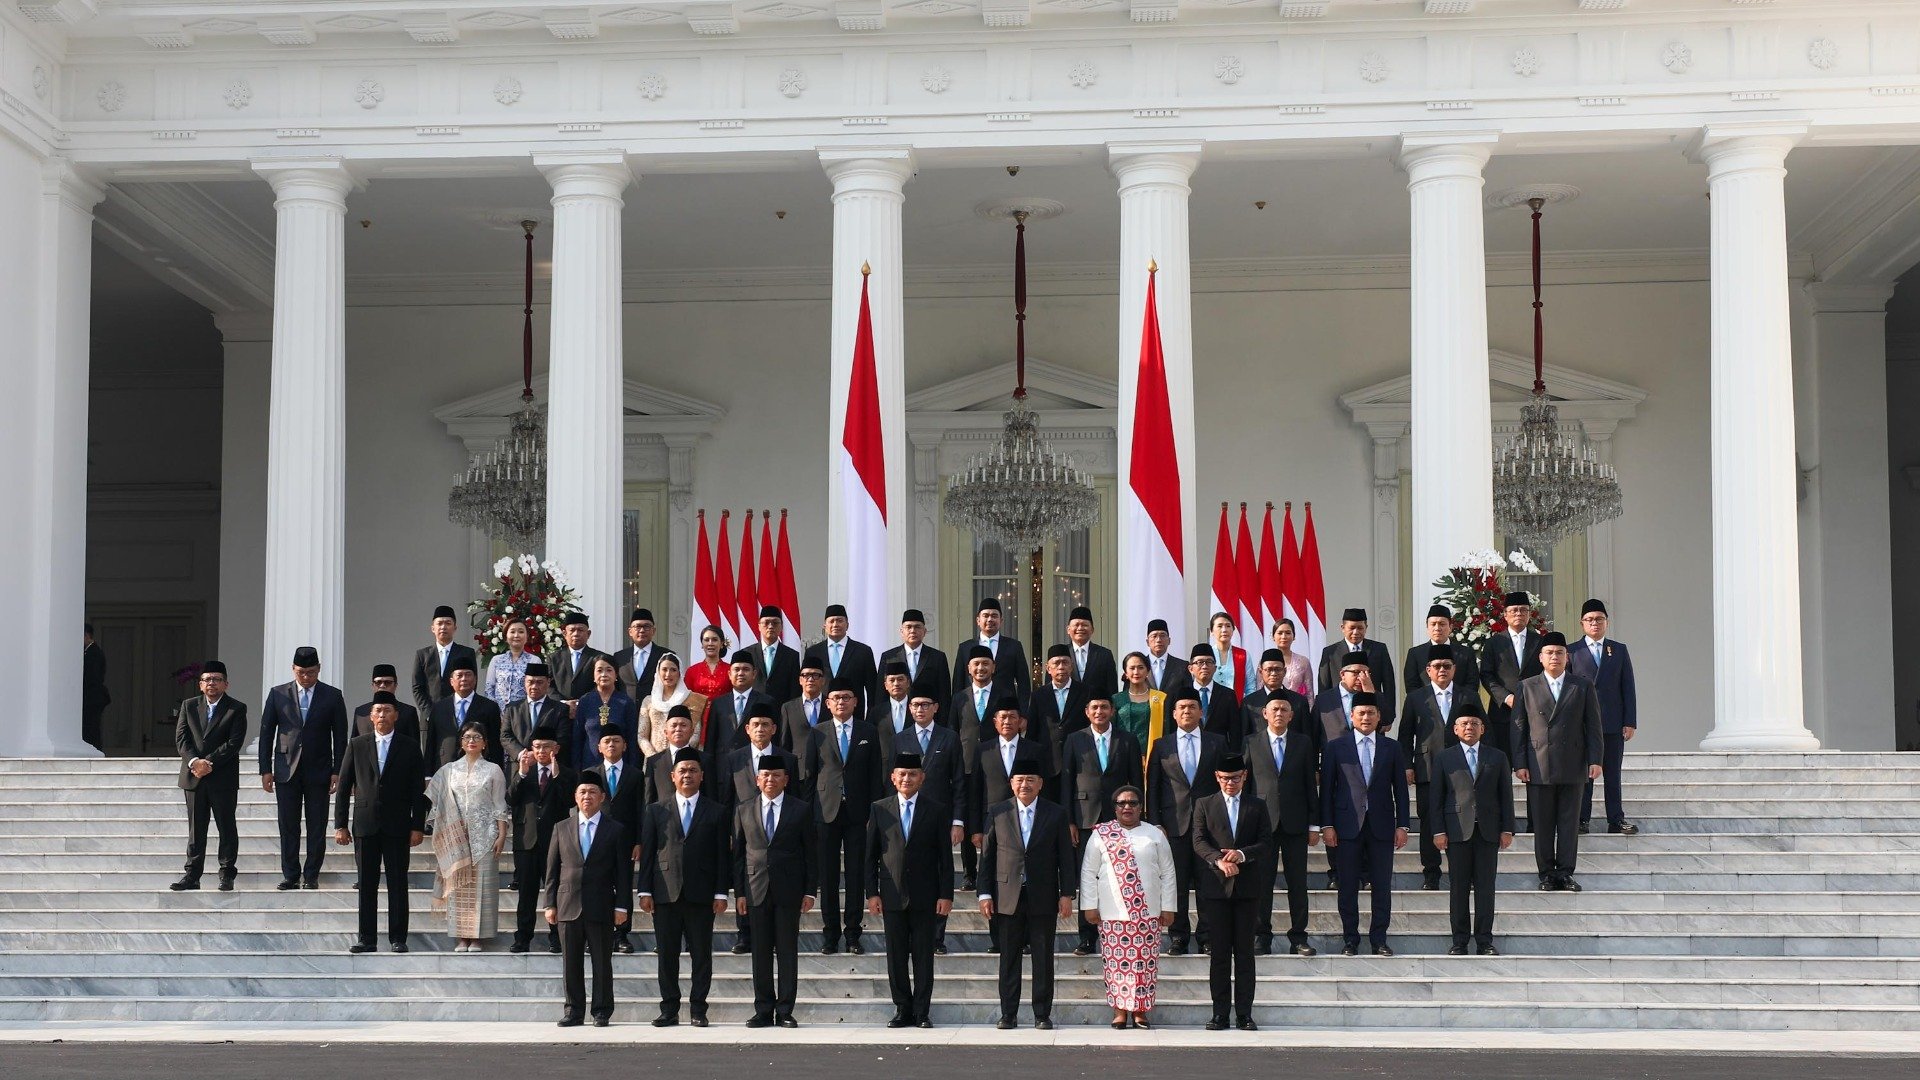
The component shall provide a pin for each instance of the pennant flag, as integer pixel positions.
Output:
(1225, 593)
(1153, 540)
(789, 593)
(747, 595)
(863, 482)
(706, 594)
(767, 587)
(727, 613)
(1291, 606)
(1247, 578)
(1269, 572)
(1313, 592)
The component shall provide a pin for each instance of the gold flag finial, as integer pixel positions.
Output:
(1152, 267)
(865, 269)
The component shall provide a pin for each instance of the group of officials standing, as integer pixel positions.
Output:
(836, 780)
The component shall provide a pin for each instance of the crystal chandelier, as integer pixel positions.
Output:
(1022, 491)
(1546, 486)
(504, 490)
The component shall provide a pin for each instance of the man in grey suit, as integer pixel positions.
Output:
(1508, 658)
(1028, 876)
(209, 734)
(1353, 639)
(1556, 750)
(589, 892)
(774, 876)
(1472, 803)
(1439, 626)
(1283, 772)
(303, 735)
(434, 662)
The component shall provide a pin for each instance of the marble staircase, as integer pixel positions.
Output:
(1766, 891)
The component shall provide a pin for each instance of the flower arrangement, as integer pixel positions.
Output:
(1474, 592)
(525, 588)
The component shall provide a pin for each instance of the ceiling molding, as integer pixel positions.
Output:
(651, 413)
(1081, 392)
(1871, 234)
(190, 241)
(1579, 395)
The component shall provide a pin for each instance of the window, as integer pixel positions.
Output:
(1072, 571)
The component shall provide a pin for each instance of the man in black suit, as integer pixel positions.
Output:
(1472, 801)
(1506, 660)
(774, 870)
(385, 678)
(1272, 673)
(799, 716)
(636, 662)
(728, 712)
(1363, 819)
(589, 892)
(456, 709)
(1058, 706)
(970, 715)
(1219, 705)
(1232, 842)
(776, 668)
(434, 662)
(841, 769)
(926, 665)
(209, 735)
(659, 767)
(1606, 664)
(384, 778)
(94, 697)
(1439, 627)
(991, 779)
(572, 663)
(683, 883)
(1010, 674)
(1028, 877)
(740, 784)
(945, 775)
(1333, 718)
(1164, 670)
(1179, 774)
(841, 656)
(891, 713)
(538, 709)
(908, 874)
(1557, 743)
(540, 795)
(1284, 773)
(1353, 639)
(1095, 762)
(303, 733)
(1426, 728)
(629, 789)
(1093, 665)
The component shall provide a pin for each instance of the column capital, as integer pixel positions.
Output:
(883, 169)
(597, 174)
(1457, 154)
(81, 188)
(1726, 148)
(1858, 298)
(319, 179)
(1145, 163)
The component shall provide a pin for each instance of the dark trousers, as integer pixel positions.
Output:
(1185, 863)
(90, 726)
(1089, 933)
(776, 935)
(1371, 857)
(1030, 927)
(382, 852)
(529, 880)
(215, 798)
(1613, 753)
(1429, 855)
(688, 922)
(302, 798)
(1473, 867)
(1554, 812)
(969, 859)
(910, 933)
(1292, 864)
(1230, 973)
(843, 847)
(578, 938)
(1500, 733)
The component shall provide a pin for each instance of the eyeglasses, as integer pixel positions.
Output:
(1127, 802)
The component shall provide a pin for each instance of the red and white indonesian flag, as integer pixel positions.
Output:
(1248, 617)
(727, 609)
(1313, 591)
(789, 592)
(1224, 595)
(706, 594)
(863, 482)
(1292, 599)
(747, 593)
(1271, 604)
(1153, 567)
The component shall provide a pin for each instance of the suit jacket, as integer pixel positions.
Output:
(1213, 833)
(535, 812)
(1291, 793)
(638, 683)
(726, 729)
(625, 805)
(1501, 672)
(443, 730)
(1349, 803)
(1042, 705)
(1471, 807)
(695, 864)
(219, 741)
(578, 684)
(1102, 673)
(1424, 732)
(988, 782)
(962, 715)
(93, 678)
(946, 772)
(1378, 662)
(1011, 675)
(909, 871)
(659, 778)
(1612, 680)
(839, 786)
(595, 885)
(287, 744)
(391, 800)
(1173, 674)
(1220, 715)
(1086, 790)
(783, 685)
(518, 720)
(1466, 666)
(1170, 798)
(429, 685)
(1329, 719)
(778, 871)
(856, 663)
(1045, 864)
(931, 678)
(792, 731)
(1253, 718)
(880, 715)
(406, 723)
(1557, 740)
(739, 781)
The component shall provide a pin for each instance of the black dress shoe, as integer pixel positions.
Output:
(1624, 828)
(1548, 884)
(993, 950)
(1083, 950)
(185, 884)
(513, 884)
(553, 947)
(1457, 950)
(1176, 948)
(829, 949)
(967, 884)
(1246, 1024)
(226, 883)
(1007, 1023)
(1430, 883)
(362, 947)
(856, 948)
(741, 948)
(664, 1020)
(1332, 882)
(1567, 884)
(698, 1021)
(570, 1021)
(1586, 827)
(602, 1021)
(625, 947)
(760, 1021)
(398, 946)
(1217, 1023)
(1263, 946)
(786, 1021)
(1304, 949)
(939, 950)
(923, 1022)
(517, 947)
(1043, 1024)
(1488, 950)
(1349, 950)
(899, 1021)
(1205, 949)
(1382, 950)
(310, 883)
(288, 885)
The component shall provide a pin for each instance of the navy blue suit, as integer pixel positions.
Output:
(303, 757)
(1612, 679)
(1364, 816)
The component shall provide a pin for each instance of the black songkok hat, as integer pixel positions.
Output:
(1024, 766)
(1185, 693)
(574, 618)
(444, 611)
(1354, 614)
(1059, 651)
(687, 753)
(1440, 611)
(385, 697)
(1365, 697)
(386, 671)
(538, 670)
(907, 761)
(979, 652)
(1202, 651)
(1553, 637)
(1592, 606)
(306, 656)
(1157, 626)
(835, 611)
(1516, 599)
(894, 667)
(912, 614)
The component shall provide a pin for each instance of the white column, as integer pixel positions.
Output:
(54, 522)
(305, 596)
(585, 439)
(246, 341)
(867, 195)
(1153, 229)
(1756, 552)
(1452, 413)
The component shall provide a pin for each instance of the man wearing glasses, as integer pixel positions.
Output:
(209, 734)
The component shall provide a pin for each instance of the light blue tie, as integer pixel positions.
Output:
(769, 823)
(1233, 818)
(1100, 743)
(924, 733)
(686, 817)
(1060, 702)
(980, 705)
(1205, 694)
(1473, 761)
(836, 657)
(813, 713)
(613, 781)
(843, 741)
(906, 819)
(1279, 753)
(1366, 760)
(586, 838)
(1187, 756)
(1026, 826)
(306, 698)
(460, 712)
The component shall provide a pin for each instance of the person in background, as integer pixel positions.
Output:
(385, 678)
(1606, 664)
(542, 798)
(94, 697)
(434, 663)
(468, 801)
(1139, 709)
(209, 734)
(635, 662)
(1127, 887)
(1299, 670)
(668, 690)
(604, 706)
(303, 735)
(506, 680)
(708, 675)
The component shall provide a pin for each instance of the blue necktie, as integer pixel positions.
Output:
(1233, 817)
(586, 838)
(1473, 761)
(613, 780)
(460, 712)
(1100, 743)
(836, 658)
(1205, 693)
(906, 818)
(686, 817)
(306, 698)
(843, 742)
(1366, 760)
(924, 732)
(769, 823)
(1279, 753)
